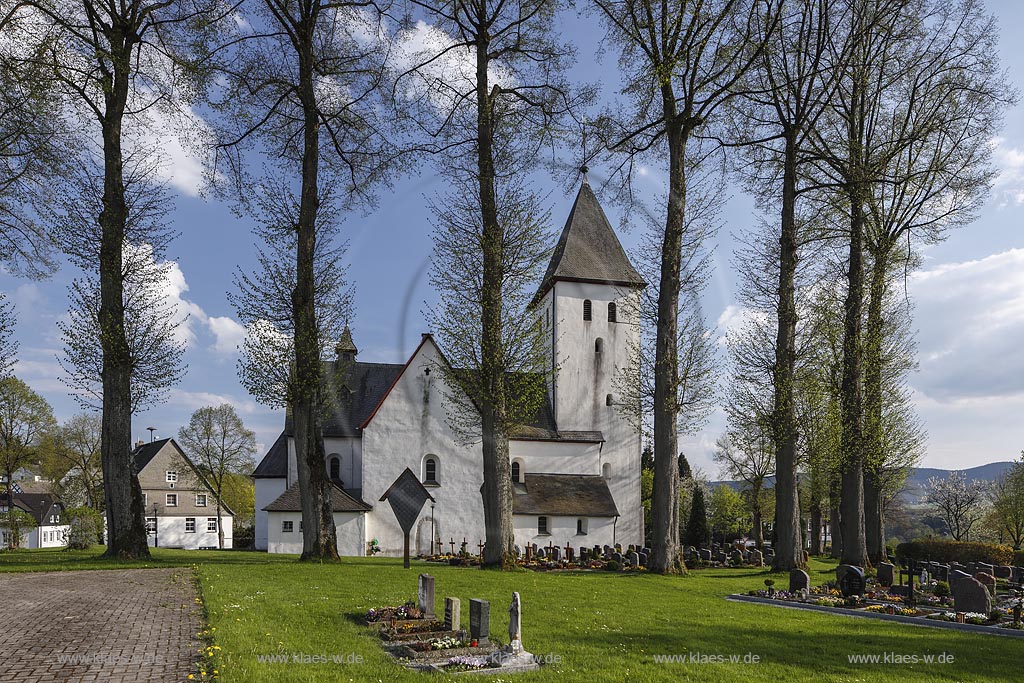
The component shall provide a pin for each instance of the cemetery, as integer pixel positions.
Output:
(956, 596)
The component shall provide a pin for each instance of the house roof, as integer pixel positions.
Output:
(275, 462)
(36, 504)
(571, 495)
(357, 389)
(145, 453)
(588, 249)
(291, 501)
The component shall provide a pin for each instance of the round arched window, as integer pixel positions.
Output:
(430, 470)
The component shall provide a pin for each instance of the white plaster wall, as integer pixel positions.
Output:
(350, 526)
(349, 450)
(557, 457)
(584, 380)
(600, 531)
(58, 541)
(410, 424)
(171, 533)
(267, 491)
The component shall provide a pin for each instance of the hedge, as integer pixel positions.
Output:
(941, 550)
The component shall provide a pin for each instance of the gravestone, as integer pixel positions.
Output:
(584, 554)
(617, 557)
(850, 580)
(645, 550)
(541, 554)
(970, 595)
(452, 613)
(606, 552)
(705, 555)
(987, 580)
(722, 557)
(529, 553)
(618, 547)
(756, 558)
(885, 574)
(1018, 574)
(798, 580)
(426, 596)
(556, 554)
(736, 556)
(940, 571)
(1003, 572)
(956, 576)
(633, 558)
(479, 620)
(570, 554)
(643, 559)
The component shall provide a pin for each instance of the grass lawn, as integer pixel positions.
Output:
(603, 626)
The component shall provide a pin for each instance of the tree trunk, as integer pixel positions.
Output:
(220, 526)
(788, 549)
(816, 527)
(666, 557)
(126, 526)
(497, 490)
(319, 541)
(874, 455)
(836, 532)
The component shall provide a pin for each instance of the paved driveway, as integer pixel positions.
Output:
(119, 626)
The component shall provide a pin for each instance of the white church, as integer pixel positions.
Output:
(576, 470)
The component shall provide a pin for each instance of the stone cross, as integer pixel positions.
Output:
(452, 614)
(426, 596)
(479, 620)
(452, 543)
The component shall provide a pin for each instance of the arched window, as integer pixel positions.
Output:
(430, 470)
(335, 468)
(587, 309)
(609, 400)
(612, 313)
(599, 345)
(606, 470)
(516, 470)
(581, 526)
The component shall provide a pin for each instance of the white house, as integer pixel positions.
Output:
(576, 467)
(50, 530)
(181, 507)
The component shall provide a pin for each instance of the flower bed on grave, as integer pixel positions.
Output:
(406, 611)
(931, 602)
(415, 630)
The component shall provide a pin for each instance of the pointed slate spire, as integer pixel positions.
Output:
(345, 344)
(588, 249)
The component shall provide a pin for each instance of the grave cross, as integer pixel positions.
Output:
(452, 544)
(551, 546)
(568, 551)
(480, 545)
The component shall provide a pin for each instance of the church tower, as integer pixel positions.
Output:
(587, 301)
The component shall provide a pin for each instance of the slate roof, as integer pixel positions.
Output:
(289, 501)
(588, 250)
(36, 504)
(275, 462)
(571, 495)
(358, 390)
(146, 452)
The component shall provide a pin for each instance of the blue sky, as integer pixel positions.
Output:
(969, 295)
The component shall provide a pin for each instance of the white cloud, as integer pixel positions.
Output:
(1009, 184)
(229, 333)
(193, 400)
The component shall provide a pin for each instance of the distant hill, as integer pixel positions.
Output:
(916, 489)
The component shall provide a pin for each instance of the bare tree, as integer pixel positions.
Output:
(497, 113)
(746, 452)
(958, 502)
(153, 325)
(680, 63)
(8, 345)
(111, 66)
(219, 445)
(302, 81)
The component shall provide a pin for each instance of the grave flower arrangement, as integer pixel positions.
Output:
(469, 664)
(409, 610)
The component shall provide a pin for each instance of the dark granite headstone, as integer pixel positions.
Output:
(479, 620)
(705, 555)
(886, 574)
(736, 557)
(970, 595)
(850, 580)
(1003, 572)
(633, 558)
(426, 596)
(617, 557)
(756, 558)
(643, 559)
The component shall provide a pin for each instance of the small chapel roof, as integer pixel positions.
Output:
(291, 501)
(588, 249)
(570, 495)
